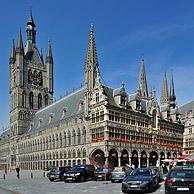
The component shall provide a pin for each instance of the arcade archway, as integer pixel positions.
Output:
(124, 158)
(153, 158)
(97, 158)
(134, 159)
(113, 158)
(143, 159)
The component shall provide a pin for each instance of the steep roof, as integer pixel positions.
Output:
(186, 108)
(67, 106)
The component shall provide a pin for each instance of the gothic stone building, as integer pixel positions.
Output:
(94, 124)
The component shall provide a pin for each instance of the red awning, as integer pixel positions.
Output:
(182, 157)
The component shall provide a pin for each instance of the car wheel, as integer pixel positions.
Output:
(112, 181)
(124, 191)
(82, 179)
(51, 180)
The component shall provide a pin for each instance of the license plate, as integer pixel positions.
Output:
(133, 186)
(69, 178)
(99, 175)
(52, 176)
(117, 176)
(182, 189)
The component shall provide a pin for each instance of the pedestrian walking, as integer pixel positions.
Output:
(5, 169)
(18, 172)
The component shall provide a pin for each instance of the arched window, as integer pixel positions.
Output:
(74, 137)
(40, 79)
(84, 135)
(154, 117)
(78, 137)
(69, 138)
(46, 100)
(39, 101)
(31, 99)
(30, 76)
(24, 99)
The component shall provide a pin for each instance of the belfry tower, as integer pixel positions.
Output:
(31, 80)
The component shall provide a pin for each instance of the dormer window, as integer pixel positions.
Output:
(63, 111)
(123, 100)
(51, 115)
(31, 125)
(138, 105)
(97, 97)
(81, 105)
(40, 121)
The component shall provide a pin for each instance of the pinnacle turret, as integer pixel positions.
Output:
(142, 80)
(172, 94)
(164, 97)
(49, 57)
(20, 42)
(12, 54)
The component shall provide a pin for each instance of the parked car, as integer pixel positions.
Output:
(180, 180)
(158, 173)
(118, 173)
(140, 179)
(80, 173)
(57, 172)
(102, 174)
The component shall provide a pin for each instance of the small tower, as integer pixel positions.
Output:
(31, 29)
(49, 66)
(142, 81)
(164, 100)
(164, 97)
(91, 69)
(172, 94)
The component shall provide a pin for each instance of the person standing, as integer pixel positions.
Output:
(5, 169)
(18, 172)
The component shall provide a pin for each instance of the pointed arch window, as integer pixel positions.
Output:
(24, 99)
(31, 100)
(154, 117)
(30, 76)
(46, 100)
(39, 101)
(40, 82)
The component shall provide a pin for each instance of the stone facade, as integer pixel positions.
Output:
(187, 118)
(94, 124)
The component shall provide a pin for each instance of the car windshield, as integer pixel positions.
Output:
(140, 172)
(182, 174)
(78, 168)
(54, 169)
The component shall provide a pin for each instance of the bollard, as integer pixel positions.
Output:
(31, 175)
(3, 176)
(43, 174)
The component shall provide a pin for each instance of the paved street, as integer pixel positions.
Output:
(41, 185)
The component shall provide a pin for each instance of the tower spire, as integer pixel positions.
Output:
(31, 29)
(20, 42)
(91, 57)
(142, 80)
(172, 94)
(91, 64)
(164, 97)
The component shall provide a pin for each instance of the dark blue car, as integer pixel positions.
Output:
(140, 179)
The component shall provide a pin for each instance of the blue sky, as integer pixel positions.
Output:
(162, 30)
